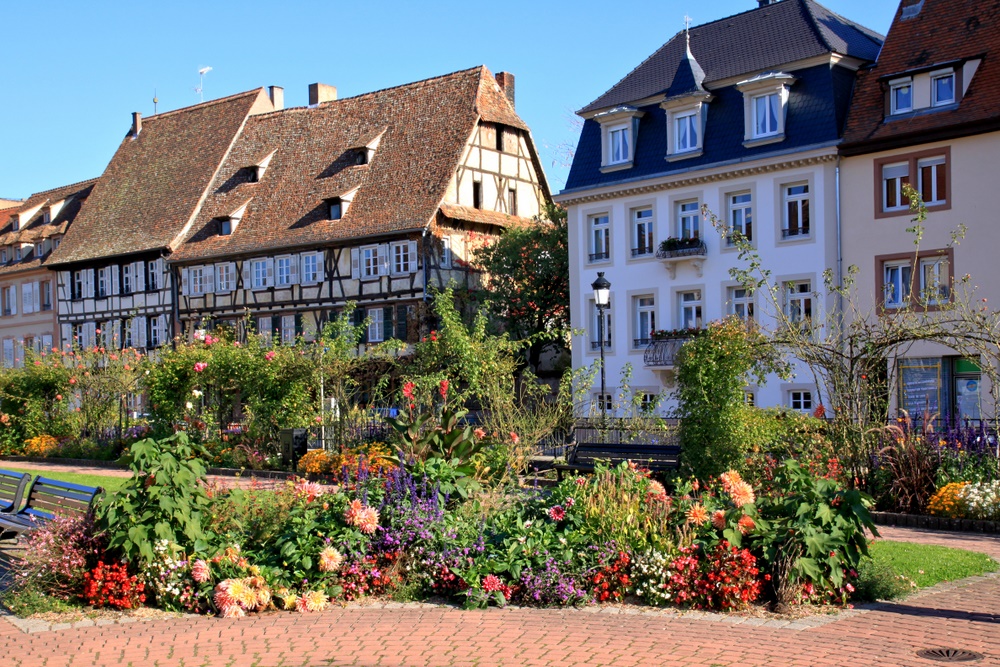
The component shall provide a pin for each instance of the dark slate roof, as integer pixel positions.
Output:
(688, 77)
(156, 181)
(423, 129)
(943, 31)
(816, 105)
(759, 39)
(34, 229)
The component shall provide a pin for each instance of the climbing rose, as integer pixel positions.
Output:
(270, 355)
(200, 366)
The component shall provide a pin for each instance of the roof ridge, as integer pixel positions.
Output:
(864, 30)
(402, 85)
(62, 187)
(810, 17)
(204, 105)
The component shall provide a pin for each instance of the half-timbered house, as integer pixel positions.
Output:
(372, 199)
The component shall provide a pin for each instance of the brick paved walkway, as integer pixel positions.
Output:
(965, 615)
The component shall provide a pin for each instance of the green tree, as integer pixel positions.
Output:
(527, 285)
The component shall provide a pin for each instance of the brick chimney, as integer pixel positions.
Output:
(277, 95)
(320, 92)
(506, 81)
(136, 123)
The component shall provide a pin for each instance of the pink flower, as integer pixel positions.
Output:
(270, 355)
(581, 481)
(569, 502)
(557, 513)
(311, 490)
(363, 518)
(200, 366)
(232, 611)
(492, 583)
(201, 571)
(38, 363)
(514, 437)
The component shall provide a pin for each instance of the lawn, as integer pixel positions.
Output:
(929, 564)
(109, 483)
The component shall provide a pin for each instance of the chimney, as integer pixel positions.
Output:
(320, 92)
(277, 95)
(765, 3)
(506, 81)
(136, 123)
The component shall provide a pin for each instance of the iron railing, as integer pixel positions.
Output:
(663, 353)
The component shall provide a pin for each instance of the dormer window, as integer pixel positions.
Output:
(15, 223)
(619, 128)
(255, 172)
(17, 253)
(3, 255)
(901, 95)
(228, 224)
(47, 217)
(335, 208)
(943, 89)
(361, 156)
(686, 117)
(765, 105)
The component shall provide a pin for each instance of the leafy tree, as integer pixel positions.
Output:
(527, 284)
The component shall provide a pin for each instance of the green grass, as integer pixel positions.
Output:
(929, 564)
(109, 483)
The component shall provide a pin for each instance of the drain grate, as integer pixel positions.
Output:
(950, 655)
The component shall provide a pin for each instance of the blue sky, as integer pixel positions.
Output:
(71, 73)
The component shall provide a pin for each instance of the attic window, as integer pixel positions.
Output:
(361, 156)
(336, 208)
(253, 174)
(765, 105)
(15, 223)
(901, 95)
(256, 171)
(619, 131)
(227, 226)
(943, 89)
(47, 217)
(910, 11)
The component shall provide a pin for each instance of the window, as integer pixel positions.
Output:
(196, 280)
(77, 285)
(17, 253)
(310, 268)
(798, 303)
(284, 270)
(690, 309)
(943, 89)
(603, 402)
(897, 283)
(740, 303)
(796, 220)
(766, 109)
(893, 178)
(901, 96)
(645, 320)
(369, 262)
(648, 402)
(15, 223)
(335, 208)
(225, 277)
(595, 325)
(401, 258)
(102, 282)
(749, 399)
(127, 281)
(618, 145)
(740, 217)
(288, 329)
(226, 226)
(642, 232)
(477, 194)
(688, 220)
(9, 297)
(259, 273)
(446, 252)
(600, 238)
(932, 180)
(376, 328)
(8, 352)
(46, 294)
(800, 400)
(156, 333)
(264, 325)
(3, 255)
(935, 281)
(512, 201)
(28, 298)
(153, 275)
(686, 128)
(127, 337)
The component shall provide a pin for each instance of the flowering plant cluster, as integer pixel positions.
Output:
(723, 578)
(967, 500)
(611, 579)
(948, 501)
(109, 585)
(57, 555)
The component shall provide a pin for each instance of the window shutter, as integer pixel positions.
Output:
(387, 328)
(298, 324)
(293, 269)
(36, 290)
(88, 280)
(270, 272)
(320, 266)
(26, 300)
(355, 264)
(247, 275)
(113, 270)
(90, 333)
(62, 286)
(383, 260)
(161, 273)
(412, 264)
(184, 281)
(359, 320)
(139, 276)
(402, 315)
(141, 325)
(209, 278)
(66, 334)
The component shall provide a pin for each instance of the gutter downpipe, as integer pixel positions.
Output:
(840, 253)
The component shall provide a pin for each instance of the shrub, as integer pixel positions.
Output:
(723, 578)
(880, 581)
(948, 501)
(41, 445)
(56, 556)
(315, 461)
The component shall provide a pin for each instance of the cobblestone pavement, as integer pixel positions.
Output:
(964, 615)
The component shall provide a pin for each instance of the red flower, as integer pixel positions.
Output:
(557, 513)
(408, 390)
(443, 389)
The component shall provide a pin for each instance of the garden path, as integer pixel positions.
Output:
(963, 615)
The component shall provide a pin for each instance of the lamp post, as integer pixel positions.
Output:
(602, 297)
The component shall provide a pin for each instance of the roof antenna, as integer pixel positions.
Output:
(201, 86)
(155, 101)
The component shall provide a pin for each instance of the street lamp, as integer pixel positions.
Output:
(602, 298)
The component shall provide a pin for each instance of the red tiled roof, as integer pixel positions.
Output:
(481, 216)
(424, 128)
(943, 31)
(155, 182)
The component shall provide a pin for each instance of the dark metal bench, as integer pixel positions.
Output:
(585, 455)
(12, 486)
(46, 499)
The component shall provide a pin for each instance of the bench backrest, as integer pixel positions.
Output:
(49, 497)
(649, 456)
(12, 486)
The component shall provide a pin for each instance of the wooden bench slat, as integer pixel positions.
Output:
(46, 499)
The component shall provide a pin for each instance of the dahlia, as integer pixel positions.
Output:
(697, 514)
(241, 592)
(368, 520)
(656, 489)
(729, 480)
(742, 494)
(557, 513)
(330, 560)
(719, 519)
(201, 571)
(232, 611)
(221, 595)
(311, 490)
(746, 524)
(352, 512)
(315, 600)
(263, 598)
(569, 502)
(492, 583)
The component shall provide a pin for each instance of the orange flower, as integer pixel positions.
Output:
(719, 519)
(746, 524)
(697, 514)
(742, 494)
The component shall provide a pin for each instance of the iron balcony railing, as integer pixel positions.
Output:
(663, 353)
(686, 248)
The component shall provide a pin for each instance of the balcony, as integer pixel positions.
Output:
(795, 233)
(663, 353)
(674, 251)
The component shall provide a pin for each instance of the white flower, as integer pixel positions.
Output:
(197, 393)
(188, 405)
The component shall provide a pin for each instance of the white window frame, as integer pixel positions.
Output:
(258, 277)
(376, 325)
(370, 266)
(103, 288)
(687, 123)
(619, 130)
(310, 274)
(155, 335)
(803, 208)
(153, 275)
(225, 277)
(935, 276)
(9, 296)
(740, 303)
(893, 176)
(935, 78)
(79, 284)
(619, 144)
(599, 231)
(800, 400)
(46, 295)
(283, 271)
(773, 103)
(897, 283)
(266, 331)
(744, 211)
(287, 329)
(595, 345)
(401, 260)
(128, 283)
(690, 309)
(643, 232)
(894, 88)
(799, 306)
(644, 319)
(764, 88)
(446, 255)
(939, 195)
(688, 219)
(196, 280)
